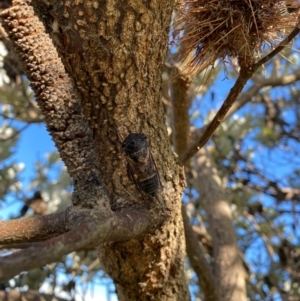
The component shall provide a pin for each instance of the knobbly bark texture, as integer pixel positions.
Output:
(57, 98)
(114, 52)
(228, 270)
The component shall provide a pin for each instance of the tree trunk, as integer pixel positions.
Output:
(115, 52)
(228, 268)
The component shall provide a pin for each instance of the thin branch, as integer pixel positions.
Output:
(244, 76)
(38, 228)
(16, 133)
(241, 81)
(17, 246)
(279, 47)
(198, 261)
(89, 230)
(257, 289)
(42, 253)
(271, 187)
(281, 211)
(259, 83)
(266, 240)
(270, 251)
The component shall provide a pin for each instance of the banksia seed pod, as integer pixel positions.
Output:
(225, 29)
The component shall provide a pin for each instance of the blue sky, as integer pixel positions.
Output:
(32, 146)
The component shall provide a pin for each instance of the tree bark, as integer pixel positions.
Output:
(114, 53)
(228, 269)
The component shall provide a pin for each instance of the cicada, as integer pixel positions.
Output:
(141, 165)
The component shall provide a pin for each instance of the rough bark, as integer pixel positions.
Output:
(93, 229)
(56, 96)
(228, 269)
(112, 227)
(114, 53)
(32, 229)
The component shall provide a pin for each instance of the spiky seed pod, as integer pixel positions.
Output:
(220, 29)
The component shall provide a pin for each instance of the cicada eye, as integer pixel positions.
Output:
(129, 146)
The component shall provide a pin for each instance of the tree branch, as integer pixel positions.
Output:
(229, 272)
(278, 48)
(269, 187)
(179, 88)
(259, 83)
(15, 133)
(198, 261)
(17, 246)
(245, 74)
(38, 228)
(58, 101)
(90, 229)
(264, 237)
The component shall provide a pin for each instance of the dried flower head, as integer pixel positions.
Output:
(219, 29)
